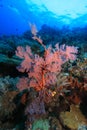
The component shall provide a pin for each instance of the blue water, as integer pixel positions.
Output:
(15, 15)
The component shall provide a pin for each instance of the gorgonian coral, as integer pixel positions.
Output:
(42, 71)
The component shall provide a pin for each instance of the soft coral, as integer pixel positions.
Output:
(42, 71)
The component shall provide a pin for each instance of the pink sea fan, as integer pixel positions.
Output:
(42, 71)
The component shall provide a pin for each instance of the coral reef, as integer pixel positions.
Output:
(50, 91)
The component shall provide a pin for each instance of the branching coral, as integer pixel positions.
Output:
(42, 71)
